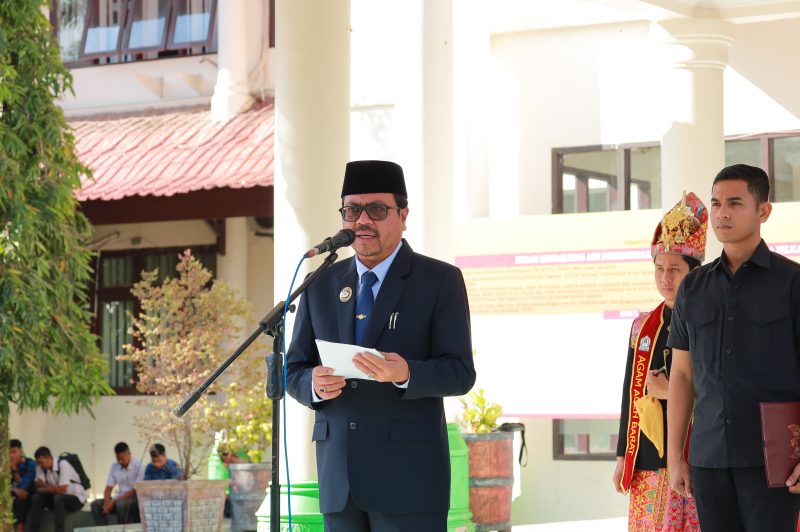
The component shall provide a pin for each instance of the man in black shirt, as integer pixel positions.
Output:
(734, 338)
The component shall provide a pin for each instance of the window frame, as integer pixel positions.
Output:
(621, 193)
(558, 447)
(122, 52)
(767, 152)
(212, 29)
(767, 161)
(82, 56)
(124, 45)
(98, 295)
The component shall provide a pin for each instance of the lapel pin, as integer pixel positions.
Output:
(345, 294)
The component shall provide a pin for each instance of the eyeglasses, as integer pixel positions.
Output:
(375, 211)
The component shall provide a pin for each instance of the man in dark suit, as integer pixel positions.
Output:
(381, 441)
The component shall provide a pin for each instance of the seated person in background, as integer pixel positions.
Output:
(123, 473)
(161, 467)
(58, 487)
(23, 474)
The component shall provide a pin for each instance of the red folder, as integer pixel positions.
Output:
(780, 432)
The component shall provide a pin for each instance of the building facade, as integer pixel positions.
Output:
(541, 141)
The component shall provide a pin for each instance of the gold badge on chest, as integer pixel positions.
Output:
(345, 294)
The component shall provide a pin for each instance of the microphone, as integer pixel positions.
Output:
(343, 238)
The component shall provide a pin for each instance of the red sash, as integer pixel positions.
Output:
(642, 356)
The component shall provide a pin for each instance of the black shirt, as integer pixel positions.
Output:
(647, 458)
(742, 331)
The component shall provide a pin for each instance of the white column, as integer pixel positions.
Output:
(231, 92)
(437, 133)
(471, 60)
(232, 269)
(693, 144)
(312, 110)
(233, 265)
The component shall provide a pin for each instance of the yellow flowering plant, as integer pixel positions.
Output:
(244, 413)
(479, 415)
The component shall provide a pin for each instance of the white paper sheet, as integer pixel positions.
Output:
(339, 357)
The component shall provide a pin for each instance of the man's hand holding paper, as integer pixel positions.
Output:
(345, 361)
(326, 385)
(341, 359)
(389, 367)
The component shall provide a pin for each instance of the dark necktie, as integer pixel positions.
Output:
(364, 304)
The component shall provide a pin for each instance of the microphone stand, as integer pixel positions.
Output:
(272, 325)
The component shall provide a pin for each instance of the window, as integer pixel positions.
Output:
(69, 18)
(786, 169)
(94, 32)
(103, 28)
(606, 178)
(645, 179)
(743, 152)
(115, 275)
(778, 154)
(610, 178)
(147, 29)
(191, 22)
(585, 439)
(589, 180)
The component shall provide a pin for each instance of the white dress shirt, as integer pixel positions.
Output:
(63, 474)
(124, 477)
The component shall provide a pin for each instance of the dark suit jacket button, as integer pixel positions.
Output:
(353, 384)
(353, 425)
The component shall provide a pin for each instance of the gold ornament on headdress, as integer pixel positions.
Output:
(678, 224)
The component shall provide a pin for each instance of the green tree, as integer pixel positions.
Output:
(48, 357)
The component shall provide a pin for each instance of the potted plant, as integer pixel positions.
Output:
(491, 465)
(185, 329)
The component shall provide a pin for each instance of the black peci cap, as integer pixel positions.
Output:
(369, 177)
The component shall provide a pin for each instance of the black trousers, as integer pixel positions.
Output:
(127, 511)
(354, 519)
(60, 504)
(20, 508)
(738, 500)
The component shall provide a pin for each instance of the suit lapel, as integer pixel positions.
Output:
(390, 292)
(347, 309)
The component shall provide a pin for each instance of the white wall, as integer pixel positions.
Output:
(762, 78)
(140, 85)
(155, 235)
(561, 490)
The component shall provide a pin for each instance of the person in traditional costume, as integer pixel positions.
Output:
(678, 247)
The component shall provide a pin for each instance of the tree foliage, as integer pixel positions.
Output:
(48, 357)
(185, 330)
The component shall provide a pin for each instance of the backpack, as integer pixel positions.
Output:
(75, 462)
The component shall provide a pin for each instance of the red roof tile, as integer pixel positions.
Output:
(175, 152)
